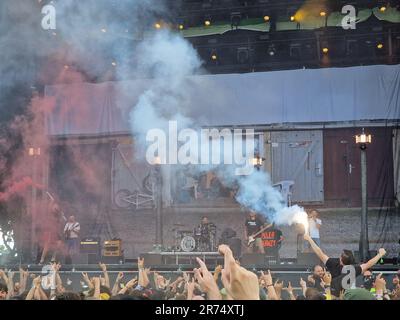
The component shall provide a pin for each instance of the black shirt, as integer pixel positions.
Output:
(253, 226)
(271, 237)
(335, 268)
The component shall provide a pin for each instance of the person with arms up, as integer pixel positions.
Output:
(335, 265)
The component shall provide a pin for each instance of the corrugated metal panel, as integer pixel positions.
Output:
(298, 156)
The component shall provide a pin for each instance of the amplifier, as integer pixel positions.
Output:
(112, 248)
(90, 245)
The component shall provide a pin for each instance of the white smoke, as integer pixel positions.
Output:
(170, 60)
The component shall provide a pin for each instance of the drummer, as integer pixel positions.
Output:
(204, 232)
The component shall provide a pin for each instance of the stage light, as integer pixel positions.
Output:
(322, 14)
(181, 27)
(325, 50)
(157, 25)
(266, 18)
(363, 138)
(207, 22)
(114, 64)
(292, 18)
(380, 46)
(214, 56)
(33, 152)
(382, 8)
(271, 50)
(104, 30)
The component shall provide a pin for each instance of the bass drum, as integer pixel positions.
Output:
(188, 244)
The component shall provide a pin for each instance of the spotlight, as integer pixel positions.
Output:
(114, 64)
(322, 14)
(379, 45)
(207, 22)
(292, 18)
(214, 56)
(382, 8)
(157, 25)
(181, 27)
(325, 50)
(266, 18)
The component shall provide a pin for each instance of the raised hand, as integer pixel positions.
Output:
(289, 288)
(240, 283)
(85, 276)
(37, 281)
(186, 277)
(206, 281)
(278, 285)
(131, 283)
(141, 263)
(303, 284)
(311, 279)
(120, 276)
(2, 274)
(103, 267)
(267, 278)
(382, 252)
(218, 269)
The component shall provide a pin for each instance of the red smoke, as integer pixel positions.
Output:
(18, 187)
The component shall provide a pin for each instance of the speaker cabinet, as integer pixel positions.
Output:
(307, 259)
(252, 259)
(93, 258)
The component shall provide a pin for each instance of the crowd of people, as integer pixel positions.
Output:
(228, 282)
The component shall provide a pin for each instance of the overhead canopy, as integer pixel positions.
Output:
(296, 96)
(311, 21)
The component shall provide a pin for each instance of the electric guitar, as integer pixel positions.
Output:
(252, 238)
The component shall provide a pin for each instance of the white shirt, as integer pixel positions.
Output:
(74, 229)
(314, 231)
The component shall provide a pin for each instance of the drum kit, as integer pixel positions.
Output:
(201, 239)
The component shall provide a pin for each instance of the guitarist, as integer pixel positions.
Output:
(253, 226)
